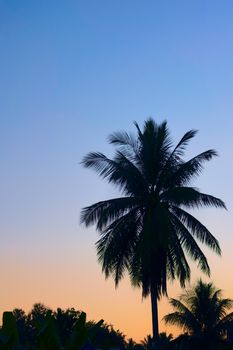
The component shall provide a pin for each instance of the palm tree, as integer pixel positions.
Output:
(147, 231)
(202, 313)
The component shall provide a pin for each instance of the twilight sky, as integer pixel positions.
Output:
(72, 72)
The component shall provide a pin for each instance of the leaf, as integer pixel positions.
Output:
(79, 336)
(9, 336)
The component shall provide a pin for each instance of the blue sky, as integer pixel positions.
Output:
(71, 72)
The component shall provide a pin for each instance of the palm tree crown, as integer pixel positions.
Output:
(148, 231)
(202, 313)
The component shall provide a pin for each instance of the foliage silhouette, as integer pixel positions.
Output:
(164, 341)
(67, 329)
(9, 337)
(130, 345)
(202, 313)
(147, 231)
(107, 337)
(65, 321)
(28, 324)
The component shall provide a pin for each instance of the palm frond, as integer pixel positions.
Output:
(180, 147)
(190, 245)
(128, 176)
(120, 171)
(174, 159)
(197, 229)
(187, 171)
(127, 144)
(178, 319)
(222, 306)
(123, 139)
(104, 212)
(225, 323)
(179, 306)
(154, 149)
(190, 197)
(115, 247)
(176, 258)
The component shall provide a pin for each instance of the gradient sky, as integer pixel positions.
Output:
(71, 72)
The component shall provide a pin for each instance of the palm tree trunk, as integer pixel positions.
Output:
(154, 309)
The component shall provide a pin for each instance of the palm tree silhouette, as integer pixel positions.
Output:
(147, 231)
(202, 313)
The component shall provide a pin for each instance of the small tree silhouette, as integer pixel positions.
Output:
(202, 313)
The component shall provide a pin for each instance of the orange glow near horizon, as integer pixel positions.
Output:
(78, 282)
(122, 307)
